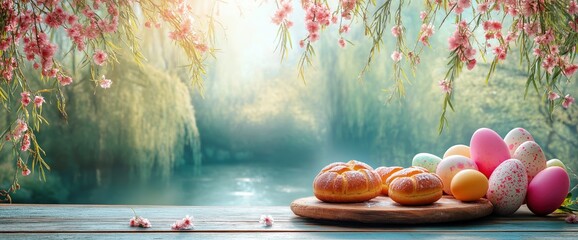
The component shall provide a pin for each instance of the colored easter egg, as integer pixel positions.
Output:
(555, 162)
(488, 150)
(459, 149)
(532, 156)
(507, 187)
(515, 138)
(427, 161)
(547, 190)
(469, 185)
(450, 166)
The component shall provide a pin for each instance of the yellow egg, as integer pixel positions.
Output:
(469, 185)
(459, 149)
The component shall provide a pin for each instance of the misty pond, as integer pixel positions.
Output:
(259, 134)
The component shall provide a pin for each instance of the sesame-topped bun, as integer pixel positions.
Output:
(353, 181)
(419, 189)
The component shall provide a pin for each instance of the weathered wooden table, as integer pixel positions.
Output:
(112, 222)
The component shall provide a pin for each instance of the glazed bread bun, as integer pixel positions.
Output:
(419, 189)
(384, 174)
(353, 181)
(406, 172)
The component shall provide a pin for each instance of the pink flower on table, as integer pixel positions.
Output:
(140, 222)
(568, 100)
(25, 98)
(266, 220)
(571, 218)
(26, 171)
(184, 224)
(572, 8)
(99, 57)
(341, 42)
(396, 31)
(446, 86)
(38, 101)
(553, 96)
(396, 56)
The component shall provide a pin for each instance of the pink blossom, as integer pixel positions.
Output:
(341, 42)
(571, 218)
(313, 37)
(312, 27)
(344, 29)
(464, 3)
(396, 56)
(446, 86)
(572, 8)
(396, 31)
(38, 101)
(334, 19)
(471, 64)
(104, 83)
(266, 220)
(553, 96)
(64, 80)
(568, 100)
(25, 98)
(426, 32)
(25, 143)
(302, 43)
(570, 70)
(573, 26)
(500, 53)
(148, 24)
(537, 52)
(140, 222)
(492, 26)
(56, 18)
(347, 7)
(422, 15)
(4, 44)
(184, 224)
(99, 57)
(483, 7)
(26, 172)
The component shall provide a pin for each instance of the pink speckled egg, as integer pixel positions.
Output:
(507, 187)
(532, 156)
(450, 166)
(515, 138)
(547, 190)
(488, 150)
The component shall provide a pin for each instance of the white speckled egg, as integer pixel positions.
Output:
(532, 156)
(507, 187)
(427, 161)
(450, 166)
(515, 138)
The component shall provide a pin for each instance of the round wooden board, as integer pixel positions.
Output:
(385, 210)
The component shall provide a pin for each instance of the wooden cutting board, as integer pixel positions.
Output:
(385, 210)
